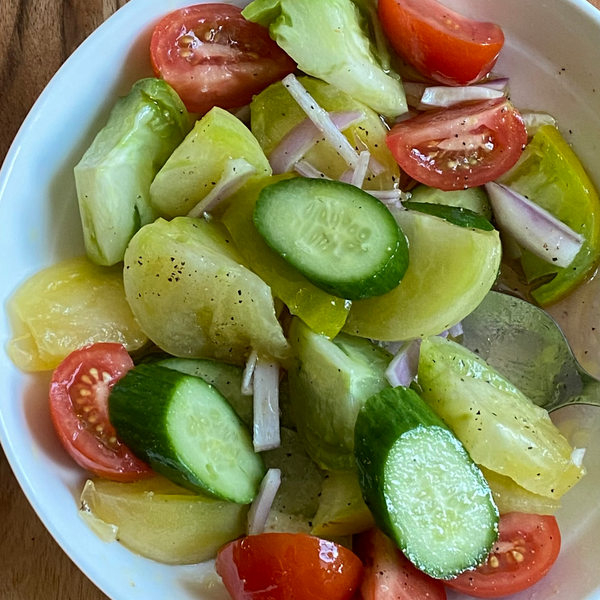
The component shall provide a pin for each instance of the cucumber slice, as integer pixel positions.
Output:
(421, 485)
(474, 199)
(339, 237)
(185, 430)
(226, 378)
(463, 217)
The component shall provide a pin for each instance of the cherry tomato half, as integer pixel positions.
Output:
(460, 147)
(79, 409)
(528, 546)
(440, 43)
(389, 575)
(212, 56)
(288, 566)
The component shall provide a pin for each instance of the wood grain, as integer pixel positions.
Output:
(36, 36)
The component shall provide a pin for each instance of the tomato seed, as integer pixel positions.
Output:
(85, 393)
(94, 373)
(86, 379)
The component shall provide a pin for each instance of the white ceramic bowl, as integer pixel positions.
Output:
(552, 55)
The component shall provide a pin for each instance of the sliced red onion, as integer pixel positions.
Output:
(298, 141)
(236, 174)
(304, 168)
(532, 227)
(321, 119)
(405, 365)
(388, 197)
(360, 171)
(535, 121)
(266, 406)
(443, 97)
(261, 507)
(248, 376)
(456, 330)
(500, 84)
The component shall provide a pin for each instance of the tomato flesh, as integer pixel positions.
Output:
(79, 409)
(212, 56)
(460, 147)
(389, 575)
(527, 548)
(440, 43)
(288, 566)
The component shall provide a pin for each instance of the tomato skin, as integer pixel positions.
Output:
(389, 575)
(440, 43)
(526, 550)
(77, 416)
(460, 147)
(288, 566)
(212, 56)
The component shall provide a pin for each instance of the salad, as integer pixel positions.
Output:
(260, 358)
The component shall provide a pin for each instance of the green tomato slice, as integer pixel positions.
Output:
(550, 174)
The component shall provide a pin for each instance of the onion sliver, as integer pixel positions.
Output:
(532, 227)
(299, 140)
(304, 168)
(236, 174)
(360, 172)
(442, 97)
(248, 376)
(267, 434)
(261, 507)
(404, 366)
(535, 121)
(320, 117)
(500, 84)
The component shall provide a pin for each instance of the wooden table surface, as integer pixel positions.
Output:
(36, 36)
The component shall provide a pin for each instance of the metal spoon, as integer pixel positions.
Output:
(525, 345)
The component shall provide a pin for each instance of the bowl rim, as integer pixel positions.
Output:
(67, 544)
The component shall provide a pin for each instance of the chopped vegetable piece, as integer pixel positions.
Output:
(329, 383)
(404, 367)
(339, 51)
(527, 549)
(113, 178)
(510, 497)
(65, 307)
(550, 174)
(337, 236)
(266, 405)
(342, 510)
(283, 566)
(275, 113)
(161, 521)
(532, 227)
(213, 56)
(389, 575)
(79, 410)
(360, 171)
(226, 378)
(259, 511)
(203, 159)
(460, 147)
(487, 412)
(324, 313)
(424, 490)
(190, 293)
(461, 279)
(463, 217)
(444, 97)
(474, 199)
(440, 43)
(186, 430)
(247, 387)
(299, 140)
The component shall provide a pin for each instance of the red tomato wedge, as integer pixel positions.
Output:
(288, 566)
(79, 409)
(389, 575)
(440, 43)
(526, 550)
(460, 147)
(212, 56)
